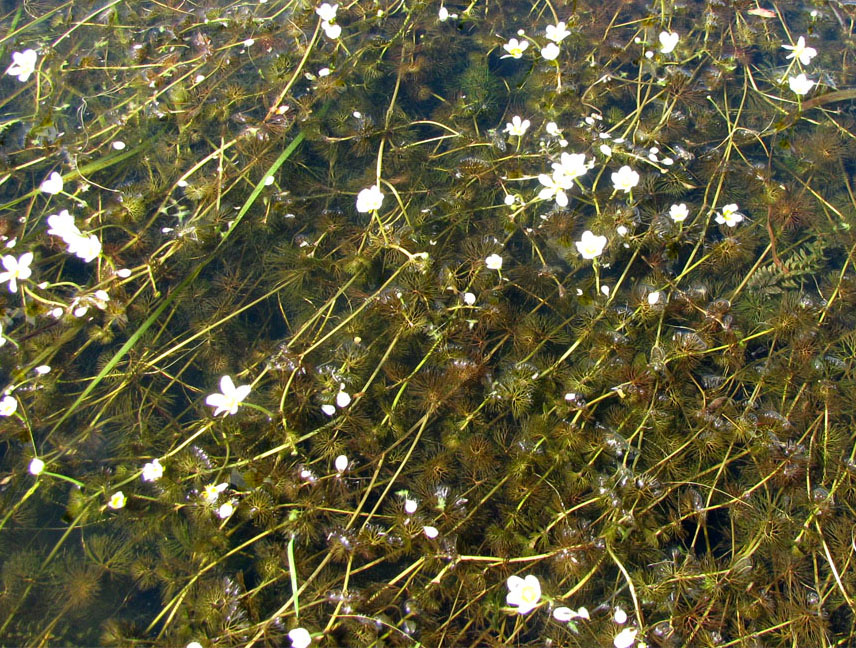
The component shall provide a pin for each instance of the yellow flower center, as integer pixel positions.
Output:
(528, 594)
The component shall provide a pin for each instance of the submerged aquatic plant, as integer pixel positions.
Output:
(466, 406)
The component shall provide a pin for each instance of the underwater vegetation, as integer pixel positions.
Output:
(428, 324)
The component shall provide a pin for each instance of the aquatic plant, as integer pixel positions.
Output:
(414, 324)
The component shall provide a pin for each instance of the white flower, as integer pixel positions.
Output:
(152, 471)
(23, 64)
(8, 405)
(515, 48)
(443, 14)
(523, 593)
(572, 165)
(327, 12)
(620, 616)
(194, 644)
(227, 402)
(625, 638)
(117, 500)
(328, 409)
(118, 145)
(36, 466)
(100, 299)
(493, 262)
(469, 298)
(801, 52)
(369, 199)
(430, 532)
(590, 246)
(679, 213)
(653, 297)
(16, 269)
(52, 184)
(668, 41)
(226, 509)
(552, 129)
(622, 230)
(343, 399)
(800, 84)
(517, 126)
(565, 614)
(62, 225)
(212, 491)
(84, 247)
(729, 216)
(331, 31)
(300, 638)
(625, 179)
(606, 149)
(341, 463)
(550, 52)
(553, 186)
(558, 32)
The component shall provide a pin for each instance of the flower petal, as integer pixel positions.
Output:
(514, 583)
(226, 385)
